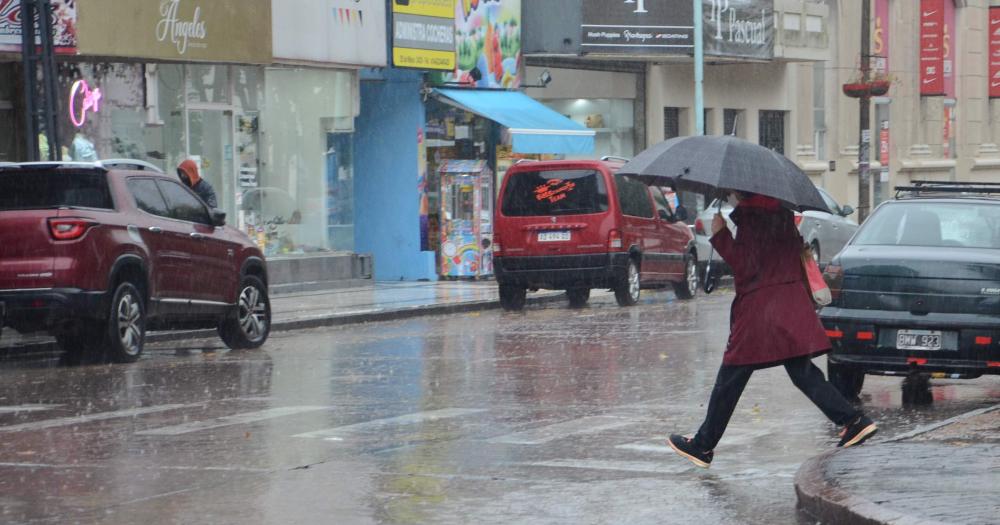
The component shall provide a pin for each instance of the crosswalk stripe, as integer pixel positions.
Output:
(225, 421)
(585, 425)
(31, 407)
(88, 418)
(408, 419)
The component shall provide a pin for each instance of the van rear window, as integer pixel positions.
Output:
(36, 189)
(554, 192)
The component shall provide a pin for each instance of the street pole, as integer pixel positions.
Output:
(864, 103)
(699, 70)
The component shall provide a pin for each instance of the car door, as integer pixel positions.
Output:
(674, 235)
(639, 226)
(837, 230)
(170, 260)
(210, 282)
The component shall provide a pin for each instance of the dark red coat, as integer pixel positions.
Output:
(772, 317)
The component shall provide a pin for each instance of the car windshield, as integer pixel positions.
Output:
(555, 192)
(25, 190)
(933, 224)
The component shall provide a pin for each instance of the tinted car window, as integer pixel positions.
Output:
(830, 203)
(968, 225)
(554, 192)
(633, 197)
(148, 197)
(23, 190)
(182, 204)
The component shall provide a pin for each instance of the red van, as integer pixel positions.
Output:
(578, 225)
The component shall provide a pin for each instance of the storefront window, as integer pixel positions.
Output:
(611, 119)
(101, 111)
(303, 200)
(208, 84)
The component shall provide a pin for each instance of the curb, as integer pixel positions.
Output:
(314, 322)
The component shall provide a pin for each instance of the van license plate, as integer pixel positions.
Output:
(918, 340)
(562, 235)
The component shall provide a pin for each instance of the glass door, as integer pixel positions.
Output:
(210, 135)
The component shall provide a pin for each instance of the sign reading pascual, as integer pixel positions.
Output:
(198, 30)
(742, 28)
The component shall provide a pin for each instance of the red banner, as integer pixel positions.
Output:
(932, 47)
(994, 50)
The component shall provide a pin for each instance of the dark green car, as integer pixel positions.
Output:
(918, 288)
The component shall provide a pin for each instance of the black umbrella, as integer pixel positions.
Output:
(714, 164)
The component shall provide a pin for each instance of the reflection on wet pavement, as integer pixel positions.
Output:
(547, 416)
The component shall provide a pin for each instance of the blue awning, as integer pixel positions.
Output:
(533, 126)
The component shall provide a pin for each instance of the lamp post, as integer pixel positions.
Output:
(699, 70)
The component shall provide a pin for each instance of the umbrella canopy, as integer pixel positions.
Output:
(716, 164)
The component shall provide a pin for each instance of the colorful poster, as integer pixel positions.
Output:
(63, 21)
(994, 51)
(880, 38)
(488, 44)
(932, 47)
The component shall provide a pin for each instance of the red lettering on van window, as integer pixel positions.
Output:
(554, 190)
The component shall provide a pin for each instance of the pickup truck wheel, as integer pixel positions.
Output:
(848, 380)
(512, 298)
(627, 291)
(249, 324)
(126, 325)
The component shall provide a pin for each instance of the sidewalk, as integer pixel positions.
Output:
(948, 472)
(377, 302)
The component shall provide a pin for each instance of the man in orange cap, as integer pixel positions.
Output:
(188, 172)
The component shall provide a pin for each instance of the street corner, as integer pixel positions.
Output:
(932, 475)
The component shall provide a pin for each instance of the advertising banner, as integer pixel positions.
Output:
(638, 27)
(994, 52)
(423, 34)
(63, 22)
(932, 47)
(349, 32)
(233, 31)
(739, 28)
(487, 39)
(880, 37)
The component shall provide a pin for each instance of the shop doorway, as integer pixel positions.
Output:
(340, 191)
(210, 144)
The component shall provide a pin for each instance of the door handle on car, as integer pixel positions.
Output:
(196, 235)
(156, 229)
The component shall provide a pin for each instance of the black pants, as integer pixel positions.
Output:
(731, 381)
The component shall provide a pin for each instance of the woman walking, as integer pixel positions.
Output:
(772, 322)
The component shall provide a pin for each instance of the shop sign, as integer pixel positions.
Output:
(423, 34)
(638, 27)
(348, 32)
(994, 51)
(880, 37)
(236, 31)
(487, 39)
(932, 47)
(83, 99)
(741, 28)
(63, 23)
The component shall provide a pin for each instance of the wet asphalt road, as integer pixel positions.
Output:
(548, 416)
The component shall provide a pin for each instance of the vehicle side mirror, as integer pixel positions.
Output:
(218, 217)
(664, 215)
(681, 214)
(846, 210)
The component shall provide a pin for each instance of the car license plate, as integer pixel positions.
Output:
(561, 235)
(918, 340)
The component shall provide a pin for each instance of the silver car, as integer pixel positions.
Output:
(826, 232)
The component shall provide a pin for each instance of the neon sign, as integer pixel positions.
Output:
(90, 100)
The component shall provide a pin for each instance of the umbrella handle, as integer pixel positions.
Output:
(711, 282)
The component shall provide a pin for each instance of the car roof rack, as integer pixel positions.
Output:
(929, 188)
(135, 164)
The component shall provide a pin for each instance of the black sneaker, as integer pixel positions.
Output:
(856, 433)
(685, 447)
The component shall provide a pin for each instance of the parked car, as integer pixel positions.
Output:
(827, 233)
(918, 288)
(98, 254)
(577, 225)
